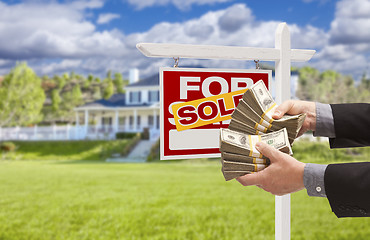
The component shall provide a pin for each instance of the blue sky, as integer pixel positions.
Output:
(316, 13)
(94, 36)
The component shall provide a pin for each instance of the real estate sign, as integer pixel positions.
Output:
(196, 103)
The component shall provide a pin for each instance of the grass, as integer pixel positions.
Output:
(319, 152)
(67, 150)
(69, 199)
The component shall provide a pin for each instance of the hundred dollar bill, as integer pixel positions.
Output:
(238, 166)
(240, 126)
(243, 144)
(229, 175)
(247, 116)
(243, 158)
(261, 101)
(247, 111)
(232, 170)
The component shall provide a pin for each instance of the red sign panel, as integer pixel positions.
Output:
(188, 84)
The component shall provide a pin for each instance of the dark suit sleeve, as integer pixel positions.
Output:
(347, 188)
(351, 124)
(347, 185)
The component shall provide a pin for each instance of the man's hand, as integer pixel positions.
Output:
(294, 107)
(284, 175)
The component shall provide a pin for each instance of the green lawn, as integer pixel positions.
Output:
(96, 150)
(68, 199)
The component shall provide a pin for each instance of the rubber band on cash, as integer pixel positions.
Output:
(266, 114)
(253, 139)
(259, 160)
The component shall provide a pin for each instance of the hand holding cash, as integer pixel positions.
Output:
(284, 175)
(294, 107)
(257, 118)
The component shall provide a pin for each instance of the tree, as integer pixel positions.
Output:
(118, 82)
(364, 89)
(66, 77)
(96, 93)
(109, 89)
(330, 87)
(60, 81)
(21, 97)
(97, 80)
(55, 100)
(308, 77)
(90, 78)
(71, 99)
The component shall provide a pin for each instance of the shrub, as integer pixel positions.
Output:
(154, 153)
(7, 147)
(128, 147)
(145, 135)
(125, 135)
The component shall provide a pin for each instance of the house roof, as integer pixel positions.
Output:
(149, 81)
(116, 100)
(154, 79)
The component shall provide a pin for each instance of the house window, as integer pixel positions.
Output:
(121, 121)
(157, 122)
(106, 121)
(154, 96)
(132, 120)
(135, 97)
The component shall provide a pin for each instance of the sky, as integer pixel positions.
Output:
(94, 36)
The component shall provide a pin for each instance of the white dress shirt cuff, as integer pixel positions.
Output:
(324, 121)
(313, 179)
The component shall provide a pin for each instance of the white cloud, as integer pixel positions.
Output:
(348, 46)
(74, 43)
(351, 23)
(27, 32)
(180, 4)
(83, 49)
(235, 17)
(84, 4)
(107, 17)
(222, 27)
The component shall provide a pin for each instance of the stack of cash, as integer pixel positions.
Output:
(254, 111)
(239, 155)
(252, 122)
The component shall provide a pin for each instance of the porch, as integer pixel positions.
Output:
(105, 123)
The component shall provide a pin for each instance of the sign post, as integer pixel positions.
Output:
(282, 54)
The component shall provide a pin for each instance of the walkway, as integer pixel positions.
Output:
(138, 155)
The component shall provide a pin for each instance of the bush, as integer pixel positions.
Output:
(145, 135)
(128, 147)
(125, 135)
(154, 154)
(7, 147)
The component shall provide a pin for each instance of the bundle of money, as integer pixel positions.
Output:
(253, 115)
(250, 123)
(239, 155)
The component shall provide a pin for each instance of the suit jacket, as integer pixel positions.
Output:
(351, 124)
(347, 185)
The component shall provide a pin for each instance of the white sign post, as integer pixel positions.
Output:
(282, 54)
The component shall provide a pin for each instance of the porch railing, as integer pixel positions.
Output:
(67, 132)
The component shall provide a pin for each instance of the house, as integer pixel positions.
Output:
(133, 111)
